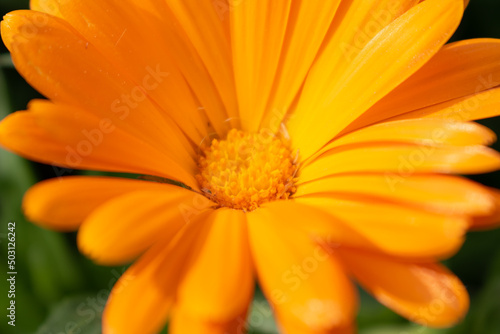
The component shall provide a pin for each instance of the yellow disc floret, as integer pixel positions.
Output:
(245, 170)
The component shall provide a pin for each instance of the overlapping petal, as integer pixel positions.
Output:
(305, 285)
(56, 205)
(491, 220)
(118, 29)
(152, 280)
(418, 131)
(374, 226)
(152, 214)
(258, 30)
(85, 78)
(461, 69)
(471, 107)
(206, 26)
(424, 293)
(307, 27)
(61, 135)
(181, 322)
(402, 160)
(218, 286)
(438, 193)
(406, 45)
(354, 24)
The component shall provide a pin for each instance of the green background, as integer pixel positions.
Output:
(58, 291)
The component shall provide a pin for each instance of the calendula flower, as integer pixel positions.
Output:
(303, 144)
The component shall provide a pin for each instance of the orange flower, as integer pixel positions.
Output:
(311, 142)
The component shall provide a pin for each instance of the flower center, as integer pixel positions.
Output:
(246, 170)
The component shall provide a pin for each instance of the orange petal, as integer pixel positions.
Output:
(117, 29)
(182, 323)
(46, 6)
(83, 77)
(438, 193)
(406, 44)
(289, 326)
(466, 3)
(52, 6)
(460, 69)
(424, 293)
(418, 131)
(304, 284)
(63, 203)
(355, 24)
(110, 237)
(402, 160)
(492, 220)
(375, 226)
(258, 26)
(69, 137)
(307, 26)
(153, 281)
(224, 265)
(204, 25)
(472, 107)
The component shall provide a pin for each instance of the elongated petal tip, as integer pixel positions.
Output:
(20, 26)
(492, 219)
(6, 31)
(46, 210)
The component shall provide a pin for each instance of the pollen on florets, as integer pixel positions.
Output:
(245, 170)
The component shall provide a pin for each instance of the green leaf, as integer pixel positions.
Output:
(485, 318)
(73, 316)
(406, 329)
(6, 61)
(371, 313)
(261, 318)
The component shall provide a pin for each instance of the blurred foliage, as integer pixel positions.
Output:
(59, 291)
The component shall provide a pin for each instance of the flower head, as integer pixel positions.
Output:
(246, 170)
(304, 144)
